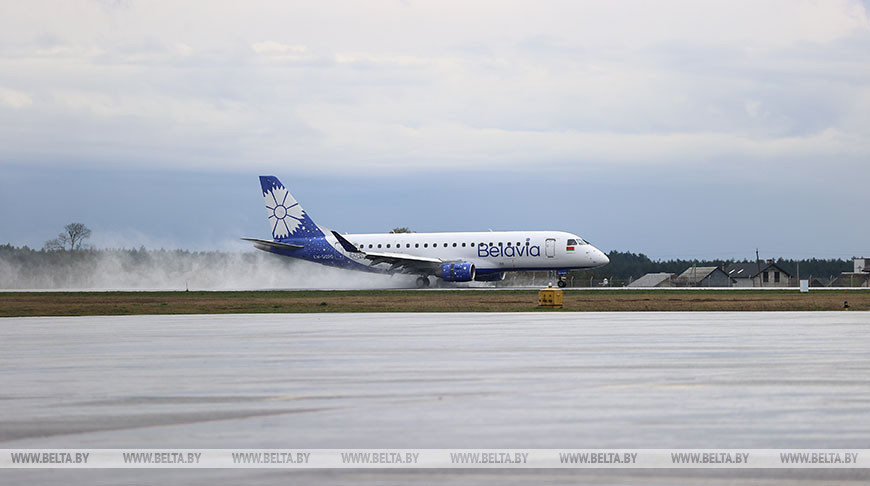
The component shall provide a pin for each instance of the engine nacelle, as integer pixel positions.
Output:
(458, 272)
(490, 277)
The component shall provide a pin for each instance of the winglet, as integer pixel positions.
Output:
(348, 246)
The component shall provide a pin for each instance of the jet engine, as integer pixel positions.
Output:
(457, 272)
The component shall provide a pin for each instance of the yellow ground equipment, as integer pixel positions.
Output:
(550, 297)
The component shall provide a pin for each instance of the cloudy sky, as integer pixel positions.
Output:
(675, 128)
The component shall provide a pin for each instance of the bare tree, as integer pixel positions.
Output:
(53, 245)
(401, 230)
(72, 237)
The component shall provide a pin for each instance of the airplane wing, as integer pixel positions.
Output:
(268, 244)
(398, 261)
(406, 263)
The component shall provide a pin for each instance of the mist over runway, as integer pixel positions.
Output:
(567, 380)
(119, 270)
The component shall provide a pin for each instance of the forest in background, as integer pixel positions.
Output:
(26, 268)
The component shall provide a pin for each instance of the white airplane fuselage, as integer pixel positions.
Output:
(490, 251)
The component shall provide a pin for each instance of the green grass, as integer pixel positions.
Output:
(318, 301)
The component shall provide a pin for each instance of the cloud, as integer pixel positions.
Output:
(183, 49)
(272, 47)
(415, 87)
(14, 98)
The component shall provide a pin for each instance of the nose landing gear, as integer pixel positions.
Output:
(562, 278)
(422, 282)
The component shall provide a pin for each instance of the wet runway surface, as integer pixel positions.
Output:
(540, 380)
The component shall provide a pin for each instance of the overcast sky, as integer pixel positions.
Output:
(679, 129)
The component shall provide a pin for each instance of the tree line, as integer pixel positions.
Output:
(625, 266)
(36, 266)
(67, 259)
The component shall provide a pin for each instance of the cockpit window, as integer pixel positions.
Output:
(578, 241)
(572, 242)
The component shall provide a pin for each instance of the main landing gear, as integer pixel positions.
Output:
(561, 283)
(422, 282)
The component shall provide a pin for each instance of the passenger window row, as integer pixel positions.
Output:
(435, 245)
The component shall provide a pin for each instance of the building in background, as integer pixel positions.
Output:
(704, 277)
(852, 279)
(860, 277)
(663, 279)
(766, 274)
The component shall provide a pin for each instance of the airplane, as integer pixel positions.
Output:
(451, 257)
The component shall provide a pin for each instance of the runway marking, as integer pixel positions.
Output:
(655, 387)
(283, 398)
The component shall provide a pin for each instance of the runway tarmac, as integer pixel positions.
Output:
(539, 380)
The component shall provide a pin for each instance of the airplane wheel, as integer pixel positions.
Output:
(422, 282)
(561, 283)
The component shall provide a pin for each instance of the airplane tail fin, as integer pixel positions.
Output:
(287, 219)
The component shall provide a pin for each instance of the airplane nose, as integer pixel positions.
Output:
(601, 258)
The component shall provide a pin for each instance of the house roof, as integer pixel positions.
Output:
(750, 270)
(696, 274)
(742, 270)
(651, 279)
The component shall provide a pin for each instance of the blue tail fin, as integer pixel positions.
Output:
(287, 219)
